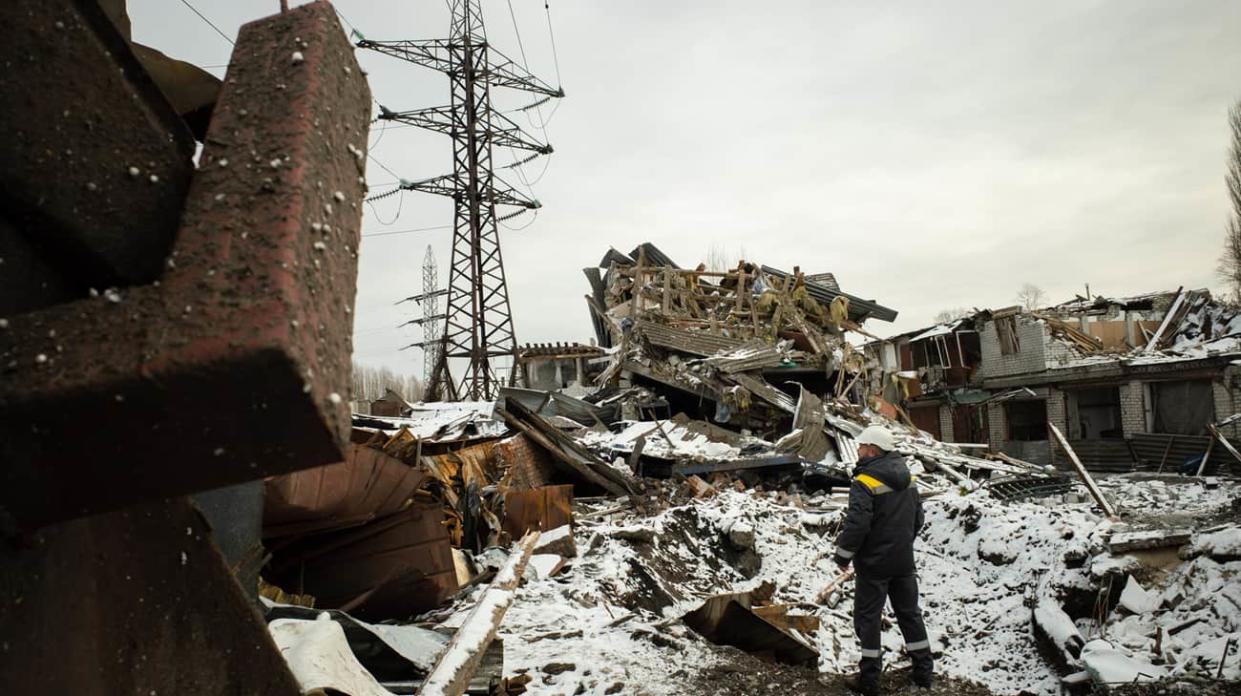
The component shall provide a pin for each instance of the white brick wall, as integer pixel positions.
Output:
(1133, 408)
(1226, 401)
(1032, 340)
(1056, 410)
(997, 424)
(946, 433)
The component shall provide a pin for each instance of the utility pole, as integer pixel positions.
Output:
(478, 322)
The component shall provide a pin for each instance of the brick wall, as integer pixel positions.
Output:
(1133, 408)
(946, 433)
(1056, 411)
(1227, 399)
(1032, 340)
(997, 424)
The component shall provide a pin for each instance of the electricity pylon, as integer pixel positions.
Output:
(478, 323)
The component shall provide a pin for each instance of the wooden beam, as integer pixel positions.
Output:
(1225, 442)
(452, 672)
(1082, 473)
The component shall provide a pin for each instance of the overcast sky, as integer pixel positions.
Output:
(932, 155)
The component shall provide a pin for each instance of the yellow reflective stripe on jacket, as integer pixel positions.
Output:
(873, 484)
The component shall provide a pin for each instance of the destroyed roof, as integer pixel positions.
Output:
(1086, 305)
(821, 286)
(858, 308)
(650, 253)
(441, 421)
(937, 330)
(827, 280)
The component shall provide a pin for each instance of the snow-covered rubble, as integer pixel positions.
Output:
(984, 568)
(672, 440)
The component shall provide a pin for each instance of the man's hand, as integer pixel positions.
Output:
(842, 562)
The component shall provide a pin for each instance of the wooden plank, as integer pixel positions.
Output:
(1224, 441)
(1167, 319)
(1082, 473)
(452, 672)
(1205, 458)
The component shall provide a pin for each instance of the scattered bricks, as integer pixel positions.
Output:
(236, 366)
(79, 112)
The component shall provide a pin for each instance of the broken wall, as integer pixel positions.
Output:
(1035, 450)
(1032, 340)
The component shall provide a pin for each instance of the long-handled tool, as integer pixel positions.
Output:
(831, 594)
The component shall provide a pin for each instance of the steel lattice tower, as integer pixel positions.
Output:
(478, 323)
(430, 308)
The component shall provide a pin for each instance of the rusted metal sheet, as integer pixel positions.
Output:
(79, 112)
(131, 602)
(369, 484)
(539, 509)
(236, 366)
(396, 566)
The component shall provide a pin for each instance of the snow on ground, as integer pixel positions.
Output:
(983, 566)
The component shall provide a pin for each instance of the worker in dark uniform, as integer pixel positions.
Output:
(885, 515)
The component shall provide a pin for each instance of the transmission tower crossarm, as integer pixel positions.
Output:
(507, 195)
(422, 296)
(440, 120)
(501, 194)
(441, 185)
(506, 73)
(431, 53)
(422, 320)
(437, 55)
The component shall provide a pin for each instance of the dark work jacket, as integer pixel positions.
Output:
(885, 514)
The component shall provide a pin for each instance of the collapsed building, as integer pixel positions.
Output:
(675, 488)
(1140, 383)
(650, 514)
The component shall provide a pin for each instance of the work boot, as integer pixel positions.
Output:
(922, 670)
(859, 684)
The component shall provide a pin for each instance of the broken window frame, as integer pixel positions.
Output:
(1006, 333)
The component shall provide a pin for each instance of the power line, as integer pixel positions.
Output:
(555, 58)
(382, 165)
(524, 63)
(208, 21)
(399, 206)
(409, 231)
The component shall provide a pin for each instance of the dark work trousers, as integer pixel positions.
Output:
(868, 598)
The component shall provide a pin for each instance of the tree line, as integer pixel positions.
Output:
(370, 383)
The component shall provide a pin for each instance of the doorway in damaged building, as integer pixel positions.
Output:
(1093, 413)
(1181, 407)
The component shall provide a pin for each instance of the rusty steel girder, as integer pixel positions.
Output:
(95, 164)
(131, 602)
(234, 364)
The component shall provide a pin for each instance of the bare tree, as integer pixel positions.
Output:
(1031, 296)
(1230, 261)
(952, 314)
(370, 383)
(720, 259)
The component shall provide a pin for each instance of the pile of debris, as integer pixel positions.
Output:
(688, 505)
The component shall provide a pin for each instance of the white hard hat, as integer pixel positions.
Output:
(878, 436)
